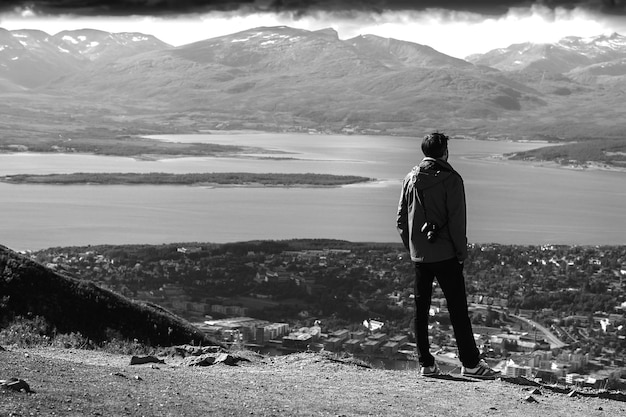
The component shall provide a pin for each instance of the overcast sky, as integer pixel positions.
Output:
(454, 27)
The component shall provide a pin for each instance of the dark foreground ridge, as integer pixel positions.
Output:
(71, 305)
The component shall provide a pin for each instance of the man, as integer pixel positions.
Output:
(432, 223)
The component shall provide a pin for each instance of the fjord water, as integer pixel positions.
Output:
(508, 202)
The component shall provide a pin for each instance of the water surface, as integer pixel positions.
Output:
(508, 202)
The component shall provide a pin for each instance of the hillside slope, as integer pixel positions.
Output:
(71, 305)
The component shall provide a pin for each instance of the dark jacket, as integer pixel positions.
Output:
(443, 193)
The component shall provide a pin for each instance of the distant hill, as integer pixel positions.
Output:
(561, 57)
(29, 289)
(90, 82)
(32, 58)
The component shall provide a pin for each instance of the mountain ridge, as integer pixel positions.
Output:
(563, 56)
(281, 78)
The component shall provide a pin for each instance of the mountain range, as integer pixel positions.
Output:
(281, 78)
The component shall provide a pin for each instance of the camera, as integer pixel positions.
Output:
(430, 230)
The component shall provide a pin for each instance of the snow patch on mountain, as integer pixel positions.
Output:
(70, 39)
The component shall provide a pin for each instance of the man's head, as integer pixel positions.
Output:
(435, 145)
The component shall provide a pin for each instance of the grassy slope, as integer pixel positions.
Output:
(72, 305)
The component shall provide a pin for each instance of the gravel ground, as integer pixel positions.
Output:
(71, 382)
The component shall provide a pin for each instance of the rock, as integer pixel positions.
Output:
(212, 359)
(572, 393)
(519, 380)
(205, 360)
(15, 384)
(140, 360)
(189, 350)
(530, 399)
(2, 349)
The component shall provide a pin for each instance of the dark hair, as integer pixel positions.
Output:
(434, 145)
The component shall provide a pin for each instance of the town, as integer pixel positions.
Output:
(555, 313)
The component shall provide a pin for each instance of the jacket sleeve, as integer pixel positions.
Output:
(402, 218)
(457, 215)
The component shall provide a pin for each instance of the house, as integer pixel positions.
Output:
(390, 348)
(513, 370)
(297, 341)
(352, 345)
(333, 343)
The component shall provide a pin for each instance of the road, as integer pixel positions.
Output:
(550, 337)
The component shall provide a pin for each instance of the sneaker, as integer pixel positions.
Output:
(430, 370)
(481, 371)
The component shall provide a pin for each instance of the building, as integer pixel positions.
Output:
(353, 345)
(358, 335)
(244, 329)
(333, 343)
(513, 370)
(297, 341)
(373, 343)
(390, 348)
(272, 331)
(341, 334)
(517, 342)
(229, 310)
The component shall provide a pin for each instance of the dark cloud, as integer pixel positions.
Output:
(161, 7)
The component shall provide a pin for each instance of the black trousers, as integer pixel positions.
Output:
(449, 274)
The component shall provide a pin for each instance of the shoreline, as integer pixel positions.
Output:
(589, 166)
